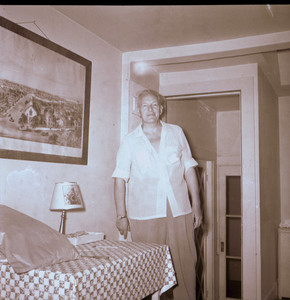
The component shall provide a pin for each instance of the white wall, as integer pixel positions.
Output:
(27, 185)
(199, 125)
(284, 137)
(228, 137)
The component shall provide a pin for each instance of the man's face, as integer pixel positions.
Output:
(149, 108)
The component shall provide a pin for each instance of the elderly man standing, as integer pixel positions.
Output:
(156, 162)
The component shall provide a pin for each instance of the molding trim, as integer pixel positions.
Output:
(229, 160)
(218, 49)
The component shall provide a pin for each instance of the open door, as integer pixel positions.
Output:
(230, 232)
(204, 235)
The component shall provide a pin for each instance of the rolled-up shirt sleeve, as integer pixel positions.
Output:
(123, 162)
(188, 160)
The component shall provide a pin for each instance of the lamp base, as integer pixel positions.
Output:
(62, 222)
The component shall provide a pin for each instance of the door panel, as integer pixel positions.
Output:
(199, 237)
(230, 232)
(204, 234)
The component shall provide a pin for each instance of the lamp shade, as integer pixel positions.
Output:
(66, 196)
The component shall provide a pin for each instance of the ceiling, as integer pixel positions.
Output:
(136, 27)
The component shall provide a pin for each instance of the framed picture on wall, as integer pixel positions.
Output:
(44, 98)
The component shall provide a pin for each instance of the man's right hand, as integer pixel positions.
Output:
(123, 226)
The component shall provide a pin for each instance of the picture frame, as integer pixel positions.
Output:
(44, 98)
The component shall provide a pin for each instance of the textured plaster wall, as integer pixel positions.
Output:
(27, 185)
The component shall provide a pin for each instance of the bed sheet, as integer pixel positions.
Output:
(106, 270)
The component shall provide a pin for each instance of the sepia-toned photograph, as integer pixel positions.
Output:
(144, 151)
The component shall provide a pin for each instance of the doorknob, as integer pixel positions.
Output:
(222, 246)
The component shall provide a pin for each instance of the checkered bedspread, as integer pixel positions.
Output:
(107, 270)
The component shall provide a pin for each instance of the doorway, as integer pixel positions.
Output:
(200, 118)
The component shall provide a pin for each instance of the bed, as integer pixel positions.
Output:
(99, 270)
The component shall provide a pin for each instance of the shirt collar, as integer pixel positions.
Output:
(139, 131)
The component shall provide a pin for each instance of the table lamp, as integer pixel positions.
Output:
(66, 196)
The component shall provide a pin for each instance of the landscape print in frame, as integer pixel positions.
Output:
(44, 98)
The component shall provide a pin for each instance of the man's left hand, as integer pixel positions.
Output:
(197, 217)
